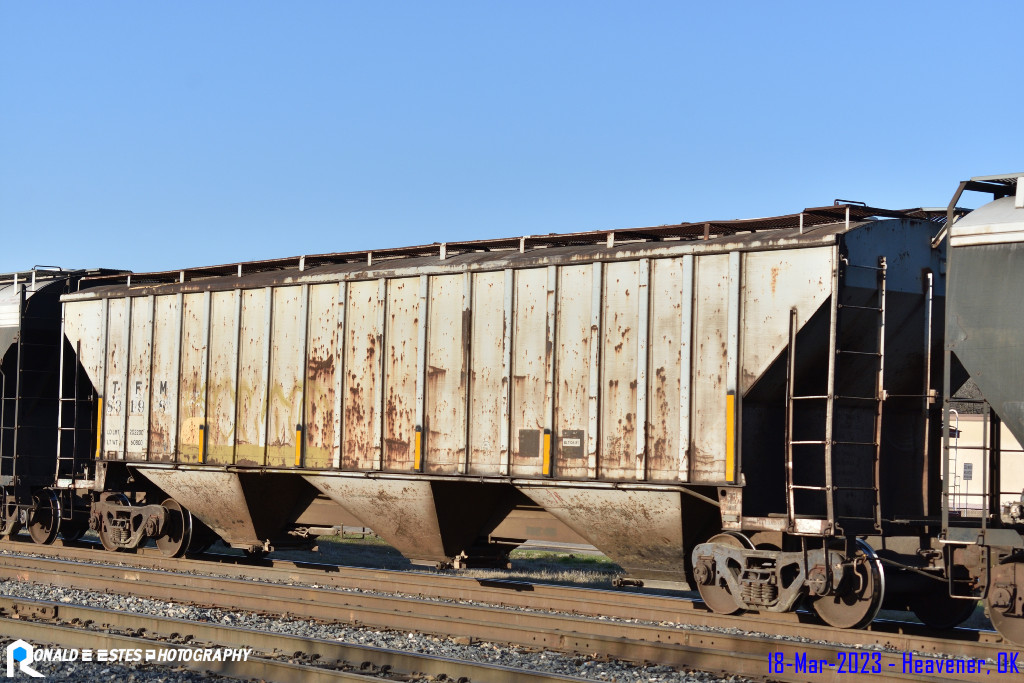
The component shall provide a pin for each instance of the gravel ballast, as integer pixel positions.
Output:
(505, 655)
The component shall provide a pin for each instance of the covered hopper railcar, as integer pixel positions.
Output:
(635, 385)
(981, 533)
(45, 439)
(749, 406)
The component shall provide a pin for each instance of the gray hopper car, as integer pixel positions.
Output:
(749, 406)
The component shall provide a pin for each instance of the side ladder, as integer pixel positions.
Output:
(865, 446)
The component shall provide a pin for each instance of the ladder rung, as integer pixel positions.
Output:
(858, 398)
(854, 265)
(808, 488)
(855, 443)
(859, 353)
(808, 398)
(807, 443)
(858, 519)
(862, 308)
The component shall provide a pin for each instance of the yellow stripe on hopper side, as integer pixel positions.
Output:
(99, 427)
(417, 461)
(730, 437)
(547, 455)
(298, 448)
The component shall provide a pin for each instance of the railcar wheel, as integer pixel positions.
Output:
(1005, 600)
(941, 610)
(104, 532)
(202, 537)
(44, 517)
(860, 593)
(716, 595)
(1011, 628)
(177, 534)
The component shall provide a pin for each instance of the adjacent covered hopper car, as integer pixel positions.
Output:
(754, 406)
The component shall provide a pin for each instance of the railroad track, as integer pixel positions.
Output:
(275, 657)
(619, 604)
(434, 604)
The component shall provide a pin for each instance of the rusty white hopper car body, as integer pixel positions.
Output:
(635, 385)
(762, 408)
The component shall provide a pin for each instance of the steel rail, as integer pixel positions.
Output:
(626, 604)
(705, 650)
(574, 600)
(326, 653)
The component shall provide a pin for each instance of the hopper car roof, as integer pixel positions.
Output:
(812, 226)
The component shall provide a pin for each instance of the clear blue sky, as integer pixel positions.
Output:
(156, 136)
